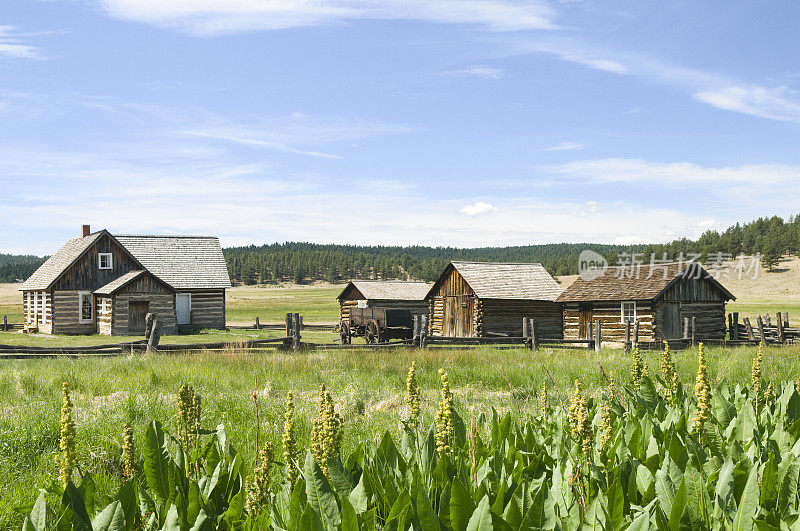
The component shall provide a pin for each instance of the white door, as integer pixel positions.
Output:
(183, 308)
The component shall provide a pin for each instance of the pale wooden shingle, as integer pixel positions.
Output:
(499, 280)
(398, 290)
(48, 272)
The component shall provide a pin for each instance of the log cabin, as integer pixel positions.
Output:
(481, 299)
(657, 296)
(102, 283)
(395, 294)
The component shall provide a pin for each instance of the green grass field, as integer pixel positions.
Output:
(368, 389)
(367, 386)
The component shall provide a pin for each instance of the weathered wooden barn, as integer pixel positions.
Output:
(657, 296)
(396, 294)
(107, 284)
(479, 299)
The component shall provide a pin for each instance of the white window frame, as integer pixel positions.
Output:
(81, 296)
(622, 311)
(100, 257)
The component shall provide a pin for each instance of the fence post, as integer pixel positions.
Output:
(423, 335)
(288, 325)
(627, 336)
(685, 328)
(5, 323)
(768, 320)
(525, 334)
(598, 335)
(694, 329)
(781, 336)
(761, 330)
(749, 329)
(730, 326)
(155, 335)
(258, 325)
(590, 335)
(296, 331)
(636, 333)
(533, 339)
(415, 331)
(786, 319)
(735, 326)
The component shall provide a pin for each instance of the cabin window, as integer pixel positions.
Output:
(105, 260)
(85, 307)
(628, 312)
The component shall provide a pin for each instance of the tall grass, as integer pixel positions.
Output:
(368, 388)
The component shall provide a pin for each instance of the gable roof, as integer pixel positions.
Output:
(61, 260)
(647, 282)
(120, 282)
(399, 290)
(183, 262)
(505, 280)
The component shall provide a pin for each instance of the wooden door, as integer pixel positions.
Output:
(584, 318)
(671, 320)
(137, 311)
(464, 310)
(449, 325)
(183, 308)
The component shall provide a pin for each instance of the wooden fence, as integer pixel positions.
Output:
(763, 331)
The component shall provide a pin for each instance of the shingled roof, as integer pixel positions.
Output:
(398, 290)
(183, 262)
(644, 282)
(52, 268)
(120, 282)
(504, 280)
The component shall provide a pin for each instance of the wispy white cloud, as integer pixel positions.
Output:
(11, 45)
(481, 71)
(476, 209)
(565, 146)
(771, 103)
(210, 17)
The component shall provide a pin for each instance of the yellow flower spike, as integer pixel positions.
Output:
(290, 451)
(702, 392)
(128, 454)
(412, 395)
(638, 369)
(258, 484)
(668, 373)
(326, 430)
(67, 439)
(444, 418)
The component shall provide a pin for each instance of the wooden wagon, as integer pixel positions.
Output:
(377, 324)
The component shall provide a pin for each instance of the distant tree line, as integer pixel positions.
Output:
(771, 237)
(299, 262)
(17, 267)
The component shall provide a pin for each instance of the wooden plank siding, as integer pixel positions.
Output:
(86, 275)
(161, 305)
(451, 307)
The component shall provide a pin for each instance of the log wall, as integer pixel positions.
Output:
(208, 308)
(104, 315)
(709, 319)
(162, 305)
(609, 314)
(66, 314)
(505, 317)
(37, 310)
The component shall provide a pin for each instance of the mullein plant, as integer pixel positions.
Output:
(638, 368)
(606, 427)
(413, 396)
(326, 431)
(543, 402)
(67, 439)
(668, 373)
(445, 431)
(702, 392)
(755, 378)
(189, 422)
(128, 454)
(258, 493)
(290, 451)
(579, 421)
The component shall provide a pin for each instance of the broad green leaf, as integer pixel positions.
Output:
(156, 461)
(461, 506)
(112, 518)
(358, 497)
(428, 520)
(349, 517)
(616, 505)
(481, 519)
(75, 502)
(320, 494)
(38, 515)
(748, 504)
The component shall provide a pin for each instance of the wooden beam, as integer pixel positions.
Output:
(257, 325)
(685, 328)
(735, 326)
(779, 322)
(534, 340)
(627, 335)
(786, 319)
(598, 335)
(749, 328)
(636, 332)
(761, 331)
(694, 329)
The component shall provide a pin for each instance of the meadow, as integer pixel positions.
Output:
(367, 387)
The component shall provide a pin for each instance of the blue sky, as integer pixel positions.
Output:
(438, 122)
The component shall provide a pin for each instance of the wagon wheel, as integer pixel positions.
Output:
(372, 334)
(344, 333)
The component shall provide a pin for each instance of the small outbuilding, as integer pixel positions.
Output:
(480, 299)
(395, 294)
(657, 296)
